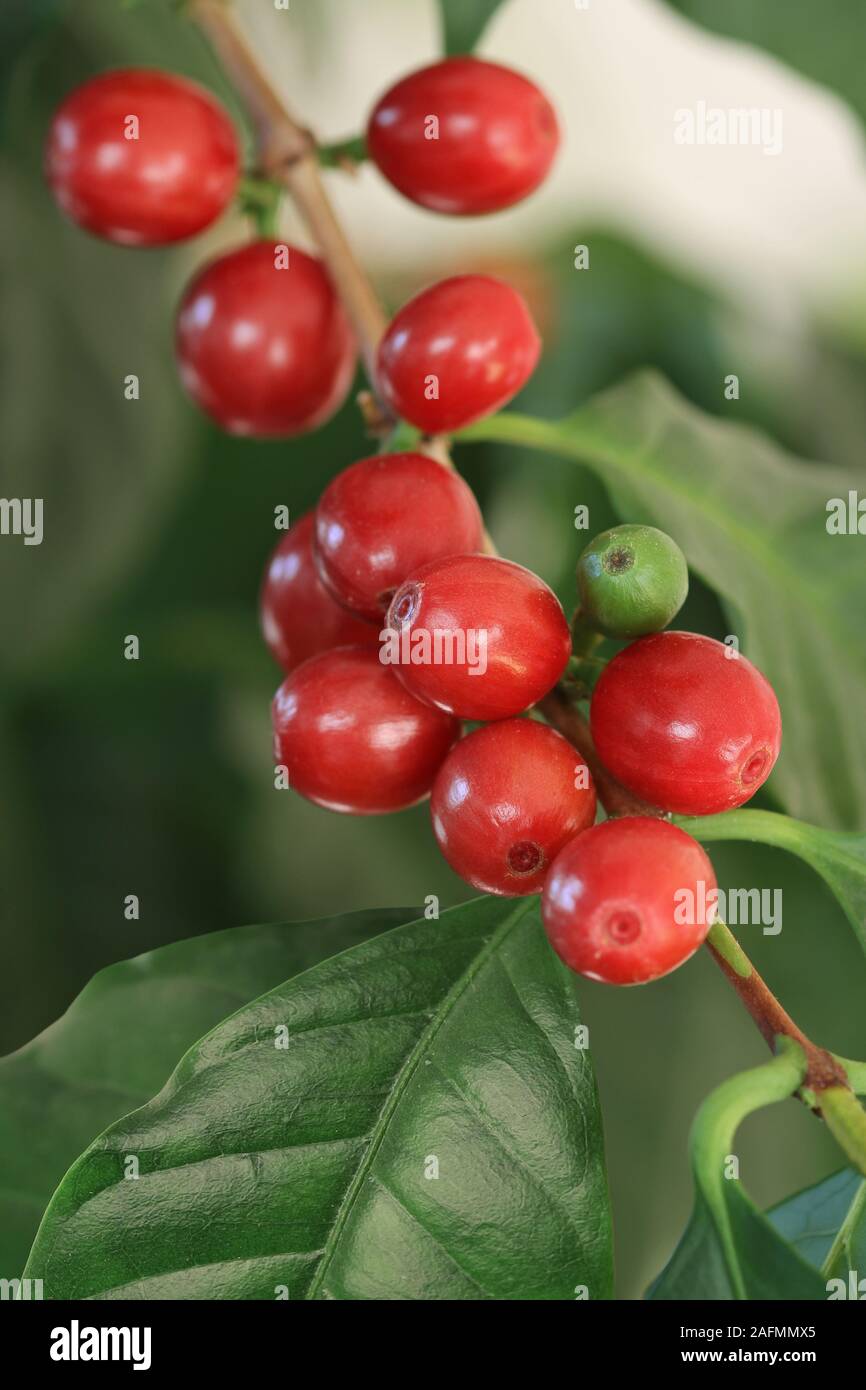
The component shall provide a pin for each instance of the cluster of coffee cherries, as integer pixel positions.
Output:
(146, 158)
(394, 624)
(395, 630)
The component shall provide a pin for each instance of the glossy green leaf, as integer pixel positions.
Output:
(413, 1119)
(463, 23)
(730, 1250)
(752, 523)
(839, 857)
(120, 1039)
(830, 52)
(826, 1224)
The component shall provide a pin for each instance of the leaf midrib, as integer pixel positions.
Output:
(401, 1083)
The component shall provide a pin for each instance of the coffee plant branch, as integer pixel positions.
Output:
(286, 153)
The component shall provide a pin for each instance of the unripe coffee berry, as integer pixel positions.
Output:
(383, 518)
(141, 157)
(631, 580)
(478, 636)
(463, 136)
(299, 617)
(686, 723)
(263, 344)
(627, 901)
(352, 738)
(506, 800)
(459, 350)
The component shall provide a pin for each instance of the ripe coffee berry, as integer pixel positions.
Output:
(383, 518)
(632, 580)
(506, 800)
(478, 636)
(263, 344)
(463, 136)
(299, 617)
(686, 723)
(457, 351)
(141, 157)
(353, 738)
(624, 902)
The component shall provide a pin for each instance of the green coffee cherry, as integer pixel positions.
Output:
(632, 580)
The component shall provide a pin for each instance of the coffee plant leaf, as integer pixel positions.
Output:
(463, 23)
(752, 521)
(826, 1225)
(413, 1119)
(838, 856)
(121, 1038)
(730, 1249)
(830, 1216)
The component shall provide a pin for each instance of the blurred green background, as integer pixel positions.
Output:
(155, 777)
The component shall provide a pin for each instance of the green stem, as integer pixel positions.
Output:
(343, 153)
(825, 1073)
(856, 1073)
(845, 1118)
(716, 1124)
(726, 945)
(402, 437)
(584, 639)
(261, 199)
(842, 1241)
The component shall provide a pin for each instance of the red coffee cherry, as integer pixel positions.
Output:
(383, 518)
(463, 136)
(478, 636)
(299, 617)
(457, 351)
(353, 738)
(506, 800)
(141, 157)
(264, 346)
(626, 901)
(686, 723)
